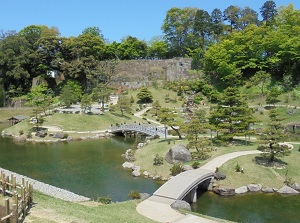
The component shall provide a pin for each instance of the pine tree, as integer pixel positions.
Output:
(232, 116)
(273, 135)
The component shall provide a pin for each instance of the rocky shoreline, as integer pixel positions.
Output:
(48, 189)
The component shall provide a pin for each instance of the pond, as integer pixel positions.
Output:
(90, 168)
(250, 207)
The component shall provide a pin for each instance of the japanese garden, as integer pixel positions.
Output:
(101, 130)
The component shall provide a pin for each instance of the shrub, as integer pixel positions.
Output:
(195, 165)
(158, 160)
(237, 167)
(134, 194)
(104, 199)
(21, 132)
(29, 135)
(66, 135)
(176, 169)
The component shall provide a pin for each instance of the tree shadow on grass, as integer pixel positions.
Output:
(264, 160)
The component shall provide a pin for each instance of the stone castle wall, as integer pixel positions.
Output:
(138, 73)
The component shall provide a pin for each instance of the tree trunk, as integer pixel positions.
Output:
(177, 131)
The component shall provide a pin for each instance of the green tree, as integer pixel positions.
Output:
(158, 48)
(167, 117)
(40, 97)
(232, 15)
(268, 11)
(86, 103)
(124, 105)
(94, 30)
(260, 79)
(272, 95)
(194, 129)
(156, 106)
(70, 93)
(232, 116)
(178, 29)
(273, 135)
(144, 95)
(132, 48)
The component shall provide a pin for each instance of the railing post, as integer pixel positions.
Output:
(15, 214)
(23, 204)
(7, 210)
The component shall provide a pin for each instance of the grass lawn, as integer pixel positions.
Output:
(145, 156)
(49, 210)
(6, 113)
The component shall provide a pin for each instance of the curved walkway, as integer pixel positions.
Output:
(159, 209)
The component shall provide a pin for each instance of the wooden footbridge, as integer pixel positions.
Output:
(146, 129)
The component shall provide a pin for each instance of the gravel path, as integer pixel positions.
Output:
(48, 189)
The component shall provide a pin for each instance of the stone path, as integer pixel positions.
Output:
(159, 209)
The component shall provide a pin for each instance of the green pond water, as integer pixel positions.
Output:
(93, 168)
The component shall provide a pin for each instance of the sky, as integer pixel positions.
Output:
(115, 18)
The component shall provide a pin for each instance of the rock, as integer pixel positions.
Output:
(145, 173)
(20, 139)
(181, 205)
(136, 168)
(128, 165)
(144, 196)
(241, 190)
(219, 176)
(295, 186)
(267, 190)
(287, 190)
(254, 187)
(156, 177)
(135, 173)
(187, 167)
(140, 145)
(178, 153)
(290, 146)
(224, 191)
(58, 135)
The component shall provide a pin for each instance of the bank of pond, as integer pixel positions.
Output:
(93, 168)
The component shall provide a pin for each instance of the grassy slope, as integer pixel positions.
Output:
(48, 209)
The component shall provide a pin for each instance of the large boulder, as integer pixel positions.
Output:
(219, 176)
(128, 165)
(254, 187)
(287, 190)
(241, 190)
(295, 186)
(224, 191)
(267, 190)
(177, 154)
(181, 205)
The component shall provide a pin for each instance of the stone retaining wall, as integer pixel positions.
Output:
(48, 189)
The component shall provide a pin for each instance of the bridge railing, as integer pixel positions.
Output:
(143, 128)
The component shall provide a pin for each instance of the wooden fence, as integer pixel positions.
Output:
(21, 202)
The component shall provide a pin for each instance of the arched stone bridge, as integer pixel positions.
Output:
(184, 186)
(141, 128)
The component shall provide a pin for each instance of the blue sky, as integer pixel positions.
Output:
(116, 18)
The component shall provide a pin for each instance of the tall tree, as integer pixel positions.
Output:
(178, 29)
(268, 11)
(202, 27)
(274, 134)
(167, 117)
(217, 23)
(132, 48)
(232, 15)
(232, 116)
(248, 16)
(144, 95)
